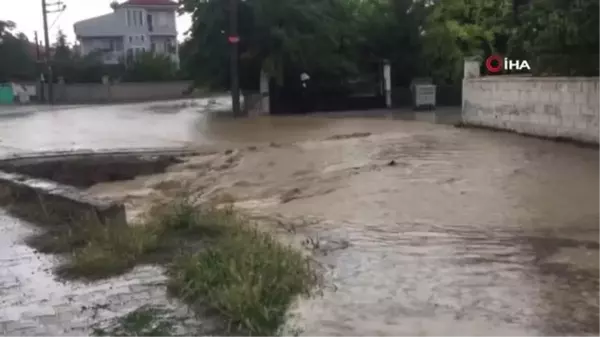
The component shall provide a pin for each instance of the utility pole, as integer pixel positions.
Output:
(38, 62)
(49, 78)
(60, 7)
(234, 40)
(37, 46)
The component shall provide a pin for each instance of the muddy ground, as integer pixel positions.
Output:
(422, 229)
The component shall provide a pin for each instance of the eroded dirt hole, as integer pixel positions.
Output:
(85, 171)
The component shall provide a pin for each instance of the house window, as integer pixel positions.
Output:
(130, 39)
(142, 38)
(149, 20)
(141, 18)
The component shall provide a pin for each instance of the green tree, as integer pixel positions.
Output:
(16, 54)
(281, 37)
(456, 29)
(63, 62)
(150, 67)
(391, 30)
(6, 27)
(187, 53)
(560, 37)
(62, 51)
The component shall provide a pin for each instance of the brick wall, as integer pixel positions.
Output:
(565, 107)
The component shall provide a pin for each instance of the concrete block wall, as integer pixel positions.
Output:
(46, 186)
(122, 92)
(561, 107)
(50, 202)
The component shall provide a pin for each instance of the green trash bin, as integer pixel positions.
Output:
(6, 94)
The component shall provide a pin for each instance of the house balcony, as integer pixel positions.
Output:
(111, 57)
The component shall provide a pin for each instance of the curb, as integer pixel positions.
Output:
(48, 186)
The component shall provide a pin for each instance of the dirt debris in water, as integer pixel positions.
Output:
(283, 172)
(427, 230)
(351, 135)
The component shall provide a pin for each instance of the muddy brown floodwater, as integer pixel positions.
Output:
(421, 229)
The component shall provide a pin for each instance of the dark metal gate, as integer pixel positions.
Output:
(323, 95)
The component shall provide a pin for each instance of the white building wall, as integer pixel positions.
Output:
(163, 22)
(564, 107)
(130, 23)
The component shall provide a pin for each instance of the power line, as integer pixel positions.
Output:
(57, 17)
(60, 10)
(61, 7)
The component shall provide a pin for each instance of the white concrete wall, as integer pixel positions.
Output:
(543, 106)
(129, 24)
(163, 22)
(161, 44)
(111, 24)
(138, 35)
(112, 48)
(24, 92)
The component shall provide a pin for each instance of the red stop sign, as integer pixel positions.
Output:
(234, 39)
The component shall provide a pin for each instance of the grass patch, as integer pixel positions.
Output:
(97, 250)
(144, 321)
(248, 277)
(215, 259)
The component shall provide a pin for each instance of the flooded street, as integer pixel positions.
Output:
(486, 234)
(141, 125)
(420, 228)
(468, 232)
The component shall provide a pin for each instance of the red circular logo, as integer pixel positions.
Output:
(494, 64)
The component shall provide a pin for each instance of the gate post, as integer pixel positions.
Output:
(265, 108)
(387, 79)
(471, 67)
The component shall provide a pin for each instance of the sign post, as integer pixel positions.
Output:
(234, 40)
(387, 78)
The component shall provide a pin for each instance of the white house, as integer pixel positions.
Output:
(133, 27)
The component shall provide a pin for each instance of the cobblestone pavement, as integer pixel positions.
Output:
(34, 302)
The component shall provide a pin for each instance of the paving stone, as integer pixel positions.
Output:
(34, 302)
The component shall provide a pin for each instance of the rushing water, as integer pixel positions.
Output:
(466, 232)
(471, 233)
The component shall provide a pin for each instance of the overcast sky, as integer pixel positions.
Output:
(27, 14)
